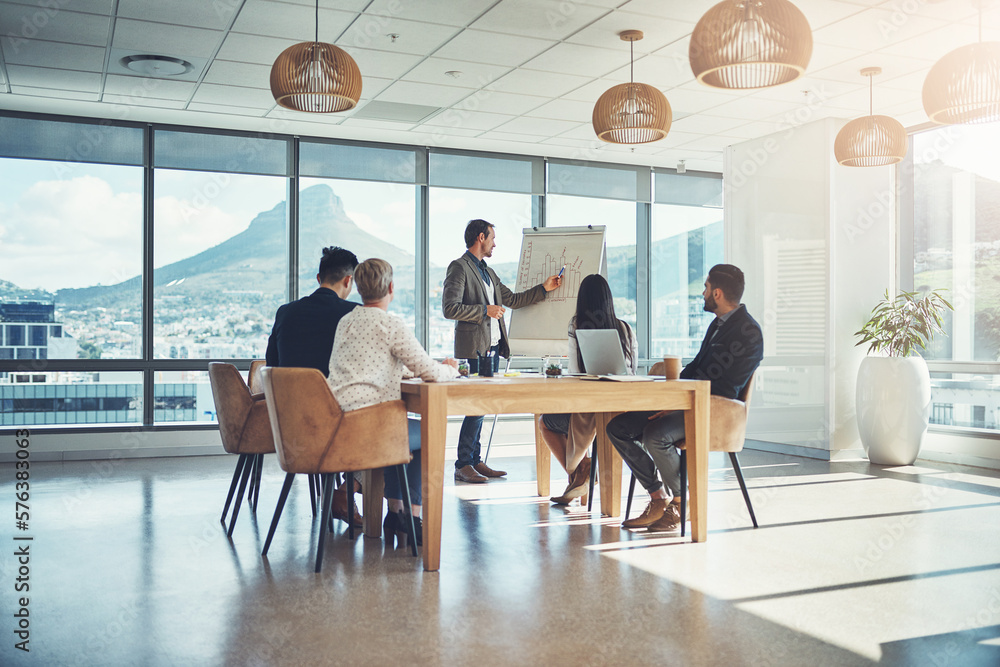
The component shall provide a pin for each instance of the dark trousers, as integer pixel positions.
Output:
(648, 447)
(413, 475)
(469, 447)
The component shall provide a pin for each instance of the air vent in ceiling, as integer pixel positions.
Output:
(395, 111)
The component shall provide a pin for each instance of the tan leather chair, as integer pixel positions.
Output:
(728, 434)
(314, 436)
(244, 429)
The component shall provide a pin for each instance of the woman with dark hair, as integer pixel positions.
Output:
(569, 435)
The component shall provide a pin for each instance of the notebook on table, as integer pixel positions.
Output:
(603, 358)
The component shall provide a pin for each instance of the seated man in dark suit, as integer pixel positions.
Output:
(730, 352)
(303, 331)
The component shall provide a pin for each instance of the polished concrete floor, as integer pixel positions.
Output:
(852, 565)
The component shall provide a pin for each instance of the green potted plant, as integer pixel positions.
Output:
(893, 396)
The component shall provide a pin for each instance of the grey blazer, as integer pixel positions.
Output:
(463, 300)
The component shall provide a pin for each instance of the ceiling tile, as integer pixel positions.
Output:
(883, 98)
(538, 126)
(48, 92)
(472, 75)
(809, 90)
(225, 109)
(52, 54)
(581, 60)
(530, 82)
(749, 107)
(254, 98)
(162, 39)
(253, 49)
(344, 5)
(378, 124)
(664, 73)
(87, 6)
(371, 31)
(892, 66)
(874, 29)
(545, 19)
(656, 32)
(690, 12)
(580, 112)
(42, 77)
(29, 22)
(132, 100)
(193, 13)
(408, 92)
(382, 64)
(227, 72)
(514, 138)
(447, 12)
(142, 87)
(826, 55)
(492, 47)
(943, 40)
(711, 143)
(821, 13)
(694, 97)
(491, 100)
(296, 22)
(469, 120)
(706, 124)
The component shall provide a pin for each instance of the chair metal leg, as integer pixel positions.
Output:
(327, 502)
(407, 507)
(256, 487)
(277, 511)
(247, 469)
(349, 490)
(232, 487)
(593, 475)
(684, 488)
(743, 486)
(631, 492)
(312, 493)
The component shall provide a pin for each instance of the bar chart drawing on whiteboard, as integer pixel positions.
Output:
(541, 327)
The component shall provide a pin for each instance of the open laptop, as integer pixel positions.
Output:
(601, 350)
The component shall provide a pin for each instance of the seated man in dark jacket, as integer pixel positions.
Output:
(730, 352)
(303, 331)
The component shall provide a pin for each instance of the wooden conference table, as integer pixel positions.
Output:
(435, 401)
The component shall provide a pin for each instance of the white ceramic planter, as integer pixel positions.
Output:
(893, 402)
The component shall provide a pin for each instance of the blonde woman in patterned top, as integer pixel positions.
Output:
(372, 353)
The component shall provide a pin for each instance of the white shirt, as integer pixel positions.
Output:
(371, 352)
(494, 322)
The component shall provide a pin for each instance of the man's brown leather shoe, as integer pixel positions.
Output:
(655, 510)
(339, 507)
(670, 521)
(487, 471)
(469, 474)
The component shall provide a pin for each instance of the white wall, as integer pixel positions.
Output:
(815, 241)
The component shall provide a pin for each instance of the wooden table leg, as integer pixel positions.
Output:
(696, 432)
(371, 501)
(543, 460)
(433, 425)
(609, 466)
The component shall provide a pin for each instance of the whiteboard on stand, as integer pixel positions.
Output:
(539, 330)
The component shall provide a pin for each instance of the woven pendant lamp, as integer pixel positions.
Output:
(964, 86)
(870, 141)
(315, 77)
(632, 113)
(750, 44)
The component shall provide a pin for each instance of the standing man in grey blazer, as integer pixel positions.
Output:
(476, 299)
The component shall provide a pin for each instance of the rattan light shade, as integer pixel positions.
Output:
(750, 44)
(632, 113)
(315, 77)
(870, 141)
(964, 86)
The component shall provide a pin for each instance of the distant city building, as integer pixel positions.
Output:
(28, 330)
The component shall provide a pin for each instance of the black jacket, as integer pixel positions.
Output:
(303, 331)
(731, 357)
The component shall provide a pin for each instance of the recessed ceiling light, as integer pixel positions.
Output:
(454, 73)
(150, 65)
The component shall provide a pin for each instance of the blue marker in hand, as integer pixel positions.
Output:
(561, 271)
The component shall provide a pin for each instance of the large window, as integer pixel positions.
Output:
(686, 240)
(956, 247)
(131, 255)
(70, 260)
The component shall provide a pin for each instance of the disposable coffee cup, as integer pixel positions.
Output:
(672, 367)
